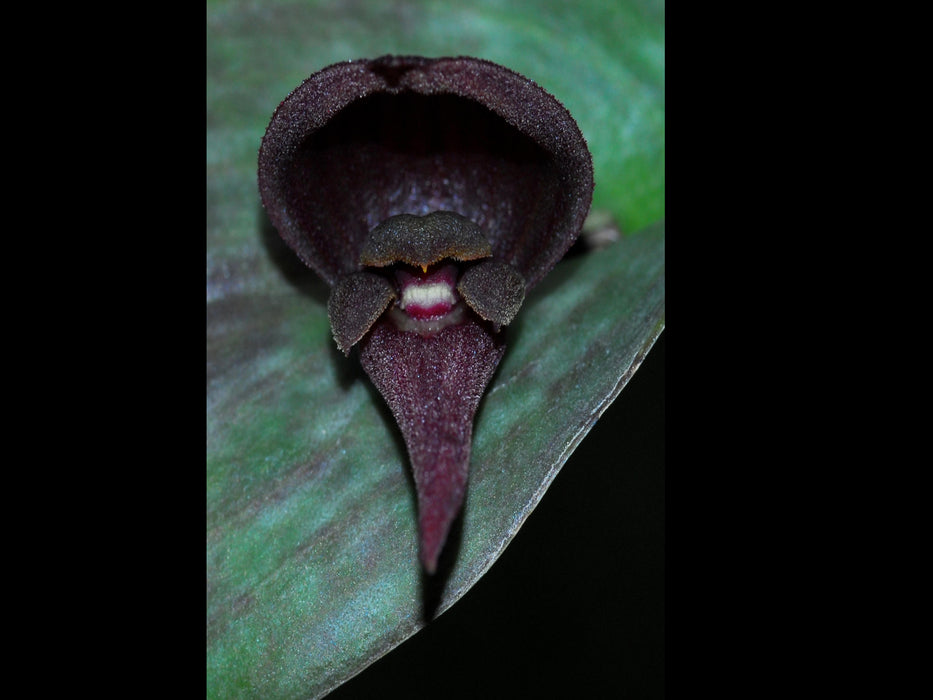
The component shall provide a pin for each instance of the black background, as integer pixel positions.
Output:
(574, 607)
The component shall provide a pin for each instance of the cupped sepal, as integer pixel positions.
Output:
(433, 385)
(494, 290)
(361, 141)
(356, 302)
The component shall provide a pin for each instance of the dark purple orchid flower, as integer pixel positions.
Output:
(431, 195)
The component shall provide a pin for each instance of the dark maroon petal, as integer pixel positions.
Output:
(355, 302)
(433, 386)
(494, 290)
(364, 140)
(424, 240)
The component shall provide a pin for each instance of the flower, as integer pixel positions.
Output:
(431, 195)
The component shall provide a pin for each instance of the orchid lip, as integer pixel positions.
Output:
(427, 294)
(427, 326)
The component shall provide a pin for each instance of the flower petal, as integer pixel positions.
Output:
(355, 303)
(433, 386)
(493, 289)
(424, 240)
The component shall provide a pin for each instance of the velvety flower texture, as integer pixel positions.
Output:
(431, 195)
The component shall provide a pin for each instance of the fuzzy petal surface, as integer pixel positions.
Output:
(433, 385)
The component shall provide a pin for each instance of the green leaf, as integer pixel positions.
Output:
(312, 540)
